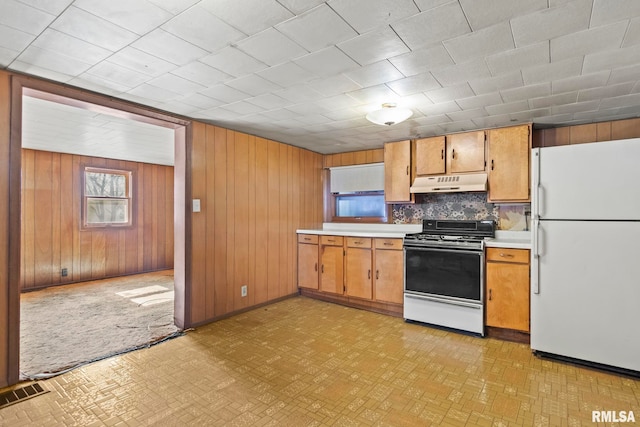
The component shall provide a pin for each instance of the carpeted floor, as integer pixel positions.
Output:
(65, 326)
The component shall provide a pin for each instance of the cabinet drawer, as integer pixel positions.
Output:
(359, 242)
(508, 255)
(308, 238)
(332, 240)
(389, 244)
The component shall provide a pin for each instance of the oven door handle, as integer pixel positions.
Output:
(432, 249)
(445, 301)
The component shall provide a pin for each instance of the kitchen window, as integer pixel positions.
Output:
(107, 200)
(357, 193)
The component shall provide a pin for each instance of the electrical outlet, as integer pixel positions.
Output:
(64, 272)
(243, 291)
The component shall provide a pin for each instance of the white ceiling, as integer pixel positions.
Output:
(306, 72)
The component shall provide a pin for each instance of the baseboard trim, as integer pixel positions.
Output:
(389, 309)
(507, 335)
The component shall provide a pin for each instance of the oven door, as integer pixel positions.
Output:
(452, 274)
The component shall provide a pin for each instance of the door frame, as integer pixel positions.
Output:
(57, 92)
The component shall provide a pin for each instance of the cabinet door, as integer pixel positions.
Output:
(332, 269)
(430, 156)
(308, 266)
(508, 295)
(389, 276)
(509, 152)
(465, 152)
(359, 277)
(397, 167)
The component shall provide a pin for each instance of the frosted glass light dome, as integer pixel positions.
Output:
(389, 115)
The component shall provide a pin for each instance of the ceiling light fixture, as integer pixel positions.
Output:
(389, 115)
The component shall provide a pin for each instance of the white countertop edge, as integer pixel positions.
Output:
(382, 234)
(508, 244)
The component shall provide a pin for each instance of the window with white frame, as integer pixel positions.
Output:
(106, 198)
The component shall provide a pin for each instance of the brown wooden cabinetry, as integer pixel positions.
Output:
(508, 164)
(430, 156)
(397, 172)
(308, 261)
(359, 279)
(389, 271)
(457, 153)
(507, 289)
(332, 264)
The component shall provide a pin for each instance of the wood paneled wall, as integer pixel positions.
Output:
(593, 132)
(254, 193)
(354, 158)
(52, 238)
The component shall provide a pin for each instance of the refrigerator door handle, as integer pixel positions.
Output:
(535, 259)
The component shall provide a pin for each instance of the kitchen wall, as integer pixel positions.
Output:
(461, 206)
(51, 235)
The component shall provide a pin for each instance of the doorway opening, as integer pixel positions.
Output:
(70, 269)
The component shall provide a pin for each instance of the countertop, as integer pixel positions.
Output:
(510, 239)
(388, 231)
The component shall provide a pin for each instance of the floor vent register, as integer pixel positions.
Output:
(21, 394)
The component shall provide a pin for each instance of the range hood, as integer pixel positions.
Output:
(450, 183)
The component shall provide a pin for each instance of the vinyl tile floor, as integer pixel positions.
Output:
(303, 362)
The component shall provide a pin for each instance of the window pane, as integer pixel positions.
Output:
(101, 211)
(105, 184)
(360, 205)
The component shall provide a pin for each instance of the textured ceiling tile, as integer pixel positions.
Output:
(200, 101)
(606, 11)
(54, 7)
(167, 46)
(300, 6)
(375, 74)
(201, 73)
(480, 101)
(334, 85)
(242, 107)
(632, 100)
(457, 116)
(612, 59)
(70, 46)
(633, 33)
(548, 101)
(589, 41)
(510, 107)
(432, 26)
(92, 29)
(480, 43)
(552, 71)
(299, 93)
(201, 28)
(118, 74)
(225, 93)
(516, 59)
(174, 6)
(374, 46)
(484, 13)
(310, 29)
(327, 62)
(34, 70)
(419, 61)
(450, 93)
(253, 85)
(366, 15)
(580, 82)
(176, 84)
(53, 61)
(249, 16)
(269, 101)
(24, 18)
(577, 107)
(439, 108)
(376, 95)
(286, 74)
(142, 62)
(550, 23)
(526, 92)
(233, 62)
(153, 92)
(461, 73)
(99, 81)
(271, 47)
(624, 74)
(430, 4)
(493, 84)
(138, 16)
(14, 40)
(606, 91)
(414, 84)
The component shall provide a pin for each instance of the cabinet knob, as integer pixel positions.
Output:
(377, 274)
(490, 296)
(442, 153)
(322, 268)
(368, 274)
(491, 164)
(388, 244)
(307, 238)
(506, 255)
(315, 267)
(453, 153)
(407, 170)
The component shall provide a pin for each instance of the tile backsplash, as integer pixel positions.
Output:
(461, 206)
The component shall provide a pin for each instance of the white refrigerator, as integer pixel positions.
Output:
(585, 257)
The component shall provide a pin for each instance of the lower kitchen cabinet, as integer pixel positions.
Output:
(308, 261)
(507, 289)
(358, 279)
(389, 271)
(332, 264)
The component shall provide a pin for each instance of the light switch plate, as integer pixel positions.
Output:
(196, 205)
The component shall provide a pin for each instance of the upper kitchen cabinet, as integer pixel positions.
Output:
(508, 166)
(457, 153)
(397, 172)
(430, 156)
(465, 152)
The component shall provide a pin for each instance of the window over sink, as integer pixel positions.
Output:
(357, 194)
